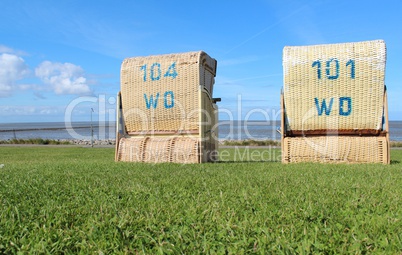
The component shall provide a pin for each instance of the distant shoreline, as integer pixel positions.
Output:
(40, 129)
(112, 142)
(237, 130)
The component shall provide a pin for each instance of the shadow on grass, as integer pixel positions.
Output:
(393, 162)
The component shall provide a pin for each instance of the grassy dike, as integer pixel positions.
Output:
(79, 201)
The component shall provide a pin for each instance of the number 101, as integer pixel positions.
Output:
(333, 73)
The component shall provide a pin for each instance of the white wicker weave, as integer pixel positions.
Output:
(334, 86)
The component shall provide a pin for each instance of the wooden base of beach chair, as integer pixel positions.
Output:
(336, 149)
(159, 150)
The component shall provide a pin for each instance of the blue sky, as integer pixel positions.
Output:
(59, 59)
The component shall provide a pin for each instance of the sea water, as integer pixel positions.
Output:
(227, 130)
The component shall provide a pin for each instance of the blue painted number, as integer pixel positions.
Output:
(332, 68)
(328, 69)
(157, 76)
(171, 72)
(155, 71)
(144, 68)
(352, 68)
(318, 64)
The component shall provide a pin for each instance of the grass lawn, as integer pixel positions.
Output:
(60, 200)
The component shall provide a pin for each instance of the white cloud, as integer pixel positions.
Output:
(61, 78)
(64, 78)
(27, 110)
(12, 69)
(5, 49)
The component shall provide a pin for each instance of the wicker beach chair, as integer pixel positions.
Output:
(165, 109)
(334, 103)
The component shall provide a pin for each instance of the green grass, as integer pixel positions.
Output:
(79, 201)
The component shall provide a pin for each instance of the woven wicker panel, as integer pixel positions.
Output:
(131, 149)
(185, 150)
(159, 149)
(348, 76)
(326, 149)
(160, 93)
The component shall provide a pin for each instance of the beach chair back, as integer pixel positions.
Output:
(334, 86)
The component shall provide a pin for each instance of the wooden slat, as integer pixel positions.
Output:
(350, 132)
